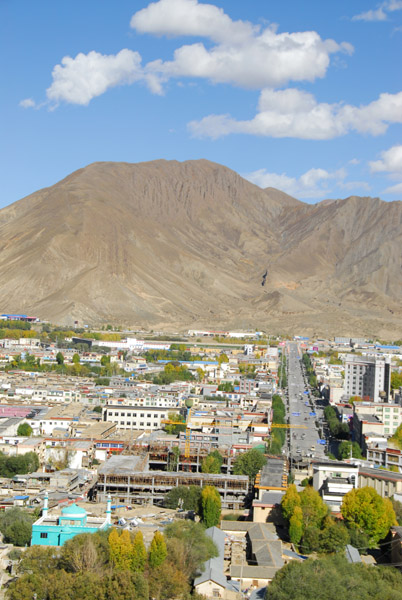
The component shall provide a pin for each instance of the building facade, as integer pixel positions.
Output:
(369, 378)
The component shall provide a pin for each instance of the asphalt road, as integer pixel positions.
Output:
(303, 409)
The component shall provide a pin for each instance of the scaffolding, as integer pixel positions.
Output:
(151, 486)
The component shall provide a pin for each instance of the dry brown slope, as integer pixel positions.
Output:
(169, 243)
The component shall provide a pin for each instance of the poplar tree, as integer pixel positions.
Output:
(139, 553)
(210, 506)
(158, 550)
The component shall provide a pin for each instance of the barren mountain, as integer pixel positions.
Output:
(174, 245)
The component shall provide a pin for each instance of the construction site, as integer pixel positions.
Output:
(129, 481)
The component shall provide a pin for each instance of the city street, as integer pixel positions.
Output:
(302, 409)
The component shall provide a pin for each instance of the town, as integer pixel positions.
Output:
(273, 444)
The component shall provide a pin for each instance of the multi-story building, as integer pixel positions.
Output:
(368, 378)
(389, 414)
(135, 417)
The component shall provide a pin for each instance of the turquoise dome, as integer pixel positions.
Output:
(74, 511)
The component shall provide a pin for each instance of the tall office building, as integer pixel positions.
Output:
(369, 378)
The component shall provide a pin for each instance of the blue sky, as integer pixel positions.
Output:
(302, 96)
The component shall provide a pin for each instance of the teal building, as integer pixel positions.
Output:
(56, 530)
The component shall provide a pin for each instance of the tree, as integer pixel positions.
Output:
(332, 578)
(210, 506)
(183, 552)
(212, 463)
(139, 553)
(105, 360)
(76, 358)
(396, 380)
(16, 526)
(345, 449)
(158, 550)
(311, 540)
(290, 501)
(314, 508)
(296, 525)
(334, 537)
(60, 358)
(24, 430)
(183, 496)
(365, 510)
(121, 550)
(249, 463)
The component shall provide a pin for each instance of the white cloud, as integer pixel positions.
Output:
(78, 80)
(390, 162)
(394, 189)
(297, 114)
(189, 18)
(315, 183)
(27, 103)
(379, 13)
(371, 15)
(244, 54)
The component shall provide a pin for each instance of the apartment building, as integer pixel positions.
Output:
(135, 417)
(367, 377)
(389, 414)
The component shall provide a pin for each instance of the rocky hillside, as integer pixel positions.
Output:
(172, 245)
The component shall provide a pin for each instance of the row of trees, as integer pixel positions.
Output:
(110, 565)
(338, 430)
(282, 372)
(312, 379)
(278, 434)
(367, 518)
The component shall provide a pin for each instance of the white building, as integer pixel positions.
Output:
(135, 417)
(333, 480)
(368, 378)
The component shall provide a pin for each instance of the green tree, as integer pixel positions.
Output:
(25, 430)
(105, 360)
(158, 550)
(290, 501)
(16, 526)
(60, 358)
(345, 448)
(139, 553)
(249, 463)
(210, 506)
(334, 536)
(76, 358)
(365, 510)
(396, 380)
(212, 463)
(183, 496)
(296, 525)
(183, 552)
(314, 508)
(332, 578)
(311, 539)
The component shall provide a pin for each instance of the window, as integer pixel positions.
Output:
(215, 593)
(43, 535)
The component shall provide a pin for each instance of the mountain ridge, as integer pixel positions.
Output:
(173, 244)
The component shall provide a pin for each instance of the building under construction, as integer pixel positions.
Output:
(128, 480)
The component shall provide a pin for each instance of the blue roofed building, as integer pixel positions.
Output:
(55, 530)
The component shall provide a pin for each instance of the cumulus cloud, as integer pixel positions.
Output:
(379, 13)
(244, 54)
(78, 80)
(390, 162)
(295, 113)
(315, 183)
(189, 18)
(394, 189)
(27, 103)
